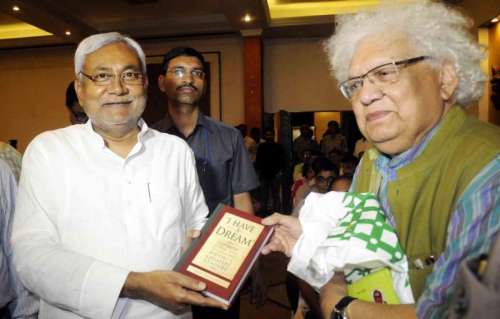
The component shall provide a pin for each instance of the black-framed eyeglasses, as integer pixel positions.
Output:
(106, 78)
(180, 72)
(380, 76)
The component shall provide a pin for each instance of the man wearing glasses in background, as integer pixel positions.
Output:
(102, 207)
(408, 71)
(224, 168)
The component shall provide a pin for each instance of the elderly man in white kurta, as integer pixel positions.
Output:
(104, 207)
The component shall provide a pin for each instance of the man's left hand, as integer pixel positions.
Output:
(331, 293)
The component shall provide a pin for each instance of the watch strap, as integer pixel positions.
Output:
(339, 309)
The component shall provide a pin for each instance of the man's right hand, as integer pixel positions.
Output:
(287, 230)
(167, 289)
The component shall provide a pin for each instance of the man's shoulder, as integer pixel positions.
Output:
(60, 134)
(166, 138)
(224, 130)
(476, 129)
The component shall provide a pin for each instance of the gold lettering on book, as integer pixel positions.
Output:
(228, 246)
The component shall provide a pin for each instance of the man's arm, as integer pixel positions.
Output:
(243, 201)
(336, 289)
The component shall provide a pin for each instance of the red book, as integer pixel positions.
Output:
(223, 255)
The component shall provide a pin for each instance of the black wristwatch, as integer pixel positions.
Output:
(339, 311)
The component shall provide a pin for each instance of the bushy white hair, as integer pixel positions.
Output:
(95, 42)
(433, 29)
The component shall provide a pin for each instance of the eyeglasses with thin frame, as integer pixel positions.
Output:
(180, 73)
(380, 76)
(106, 78)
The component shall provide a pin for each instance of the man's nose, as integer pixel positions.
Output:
(117, 86)
(369, 92)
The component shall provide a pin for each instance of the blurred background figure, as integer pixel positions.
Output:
(250, 143)
(12, 158)
(324, 173)
(361, 146)
(348, 165)
(76, 113)
(269, 163)
(333, 140)
(305, 141)
(341, 183)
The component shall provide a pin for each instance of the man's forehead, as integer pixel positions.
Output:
(185, 60)
(113, 55)
(375, 50)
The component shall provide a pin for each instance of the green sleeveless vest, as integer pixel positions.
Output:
(425, 192)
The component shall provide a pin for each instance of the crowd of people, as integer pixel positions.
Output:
(106, 206)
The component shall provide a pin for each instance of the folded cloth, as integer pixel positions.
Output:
(348, 232)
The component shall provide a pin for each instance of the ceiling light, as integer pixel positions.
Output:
(247, 18)
(67, 32)
(15, 8)
(494, 20)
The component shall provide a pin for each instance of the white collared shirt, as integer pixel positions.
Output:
(86, 217)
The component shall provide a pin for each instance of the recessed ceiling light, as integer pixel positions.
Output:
(15, 8)
(67, 32)
(247, 18)
(494, 20)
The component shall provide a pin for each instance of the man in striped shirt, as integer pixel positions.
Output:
(409, 70)
(15, 300)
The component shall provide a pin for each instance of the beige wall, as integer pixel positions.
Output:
(297, 77)
(33, 84)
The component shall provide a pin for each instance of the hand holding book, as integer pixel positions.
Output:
(167, 289)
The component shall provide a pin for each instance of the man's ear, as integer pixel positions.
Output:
(161, 82)
(448, 80)
(78, 89)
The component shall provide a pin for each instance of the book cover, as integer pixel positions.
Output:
(223, 255)
(376, 287)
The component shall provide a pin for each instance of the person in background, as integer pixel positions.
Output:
(76, 113)
(269, 163)
(307, 178)
(361, 146)
(16, 301)
(249, 142)
(224, 168)
(103, 208)
(341, 183)
(435, 170)
(348, 165)
(324, 173)
(305, 141)
(12, 157)
(333, 140)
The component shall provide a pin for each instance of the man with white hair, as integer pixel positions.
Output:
(103, 208)
(408, 71)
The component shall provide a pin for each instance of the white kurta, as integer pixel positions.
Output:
(85, 217)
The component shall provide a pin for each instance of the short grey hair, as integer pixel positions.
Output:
(95, 42)
(434, 29)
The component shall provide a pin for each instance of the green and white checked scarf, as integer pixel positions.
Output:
(348, 232)
(366, 222)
